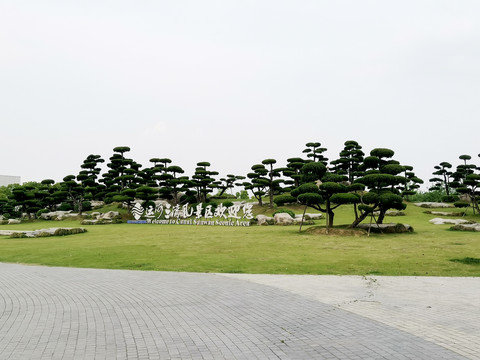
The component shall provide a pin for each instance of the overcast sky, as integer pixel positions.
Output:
(235, 82)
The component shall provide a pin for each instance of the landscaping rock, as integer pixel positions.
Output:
(441, 221)
(97, 222)
(434, 205)
(111, 215)
(58, 215)
(14, 221)
(391, 213)
(283, 219)
(308, 216)
(387, 228)
(264, 220)
(42, 232)
(311, 216)
(445, 213)
(466, 227)
(97, 204)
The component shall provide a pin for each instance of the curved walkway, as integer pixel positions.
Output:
(66, 313)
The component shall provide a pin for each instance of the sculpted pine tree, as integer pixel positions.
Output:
(24, 197)
(45, 193)
(258, 183)
(412, 182)
(314, 152)
(171, 183)
(203, 181)
(349, 164)
(89, 177)
(442, 179)
(467, 182)
(324, 191)
(293, 171)
(122, 180)
(273, 185)
(384, 183)
(228, 182)
(73, 191)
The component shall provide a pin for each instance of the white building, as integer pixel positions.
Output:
(7, 180)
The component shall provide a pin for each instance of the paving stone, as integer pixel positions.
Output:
(66, 313)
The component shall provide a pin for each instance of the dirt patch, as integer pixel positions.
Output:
(321, 230)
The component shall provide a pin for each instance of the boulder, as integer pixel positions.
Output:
(97, 204)
(466, 227)
(111, 215)
(97, 222)
(311, 216)
(13, 221)
(308, 216)
(445, 213)
(434, 205)
(57, 215)
(264, 220)
(42, 232)
(391, 213)
(441, 221)
(283, 219)
(387, 228)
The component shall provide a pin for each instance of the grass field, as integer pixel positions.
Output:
(432, 250)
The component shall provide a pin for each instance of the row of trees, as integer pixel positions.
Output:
(373, 183)
(464, 180)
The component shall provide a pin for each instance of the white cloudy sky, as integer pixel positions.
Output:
(235, 82)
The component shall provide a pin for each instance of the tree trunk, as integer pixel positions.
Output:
(303, 217)
(358, 220)
(381, 216)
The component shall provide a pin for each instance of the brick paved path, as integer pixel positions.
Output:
(63, 313)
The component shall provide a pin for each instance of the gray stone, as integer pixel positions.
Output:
(434, 205)
(14, 221)
(264, 220)
(445, 213)
(283, 219)
(97, 204)
(387, 228)
(44, 232)
(57, 215)
(111, 215)
(391, 213)
(466, 227)
(308, 216)
(441, 221)
(311, 216)
(96, 222)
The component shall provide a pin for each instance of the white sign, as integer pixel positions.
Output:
(201, 214)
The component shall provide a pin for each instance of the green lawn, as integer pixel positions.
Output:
(431, 250)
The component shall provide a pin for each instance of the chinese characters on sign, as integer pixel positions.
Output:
(201, 214)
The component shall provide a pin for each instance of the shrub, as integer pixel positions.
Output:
(242, 195)
(450, 198)
(42, 211)
(86, 206)
(286, 211)
(284, 199)
(429, 196)
(461, 204)
(65, 207)
(227, 203)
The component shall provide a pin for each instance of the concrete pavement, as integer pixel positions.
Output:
(66, 313)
